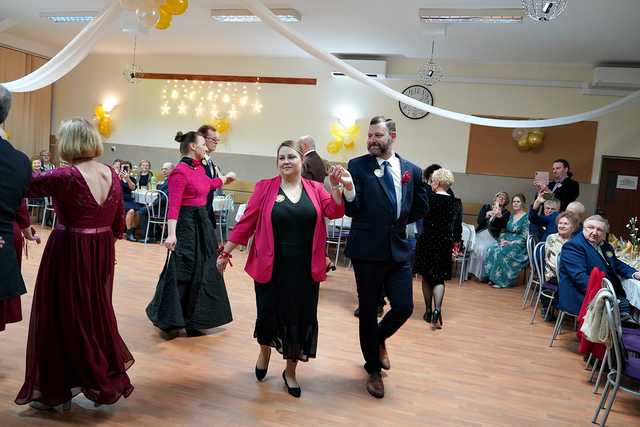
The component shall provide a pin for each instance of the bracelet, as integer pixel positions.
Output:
(224, 255)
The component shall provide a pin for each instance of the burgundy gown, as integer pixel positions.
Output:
(74, 345)
(10, 309)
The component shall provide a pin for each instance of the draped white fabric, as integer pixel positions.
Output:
(260, 10)
(69, 57)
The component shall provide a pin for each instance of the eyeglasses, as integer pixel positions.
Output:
(209, 138)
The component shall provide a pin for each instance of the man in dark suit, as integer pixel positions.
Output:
(15, 170)
(211, 139)
(580, 255)
(389, 194)
(312, 165)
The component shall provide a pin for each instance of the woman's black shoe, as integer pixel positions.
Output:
(436, 319)
(261, 373)
(293, 391)
(427, 316)
(330, 267)
(194, 333)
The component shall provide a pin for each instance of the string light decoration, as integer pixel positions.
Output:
(208, 99)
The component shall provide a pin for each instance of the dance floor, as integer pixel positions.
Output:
(487, 367)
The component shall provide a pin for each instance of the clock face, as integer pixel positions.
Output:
(420, 93)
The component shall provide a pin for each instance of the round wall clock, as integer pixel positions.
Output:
(422, 94)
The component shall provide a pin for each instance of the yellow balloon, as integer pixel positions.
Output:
(165, 20)
(222, 126)
(518, 133)
(523, 144)
(336, 130)
(105, 127)
(538, 132)
(100, 111)
(349, 143)
(334, 146)
(353, 131)
(175, 7)
(534, 139)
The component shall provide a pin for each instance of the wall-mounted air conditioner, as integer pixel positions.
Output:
(616, 77)
(372, 68)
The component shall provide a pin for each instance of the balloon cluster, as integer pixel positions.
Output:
(155, 13)
(528, 139)
(343, 137)
(223, 125)
(104, 122)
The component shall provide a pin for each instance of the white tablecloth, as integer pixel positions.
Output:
(139, 196)
(632, 289)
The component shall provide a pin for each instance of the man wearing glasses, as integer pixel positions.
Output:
(211, 140)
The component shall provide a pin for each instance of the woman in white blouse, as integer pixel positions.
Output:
(567, 225)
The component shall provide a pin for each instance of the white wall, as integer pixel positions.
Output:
(290, 111)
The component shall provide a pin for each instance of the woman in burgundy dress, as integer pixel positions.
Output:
(190, 293)
(74, 345)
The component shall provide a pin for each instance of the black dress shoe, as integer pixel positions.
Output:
(194, 333)
(427, 316)
(261, 373)
(330, 267)
(436, 319)
(293, 391)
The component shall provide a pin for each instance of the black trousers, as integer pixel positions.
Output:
(373, 277)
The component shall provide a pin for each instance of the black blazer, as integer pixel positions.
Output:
(15, 170)
(313, 167)
(376, 234)
(567, 192)
(495, 226)
(211, 194)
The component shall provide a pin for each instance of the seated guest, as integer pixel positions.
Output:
(45, 161)
(163, 186)
(546, 223)
(567, 224)
(116, 165)
(580, 255)
(128, 184)
(145, 177)
(578, 210)
(508, 256)
(36, 165)
(492, 219)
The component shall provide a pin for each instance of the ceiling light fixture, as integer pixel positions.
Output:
(543, 10)
(471, 16)
(246, 16)
(70, 17)
(431, 72)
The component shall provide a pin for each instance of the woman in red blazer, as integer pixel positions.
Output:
(286, 215)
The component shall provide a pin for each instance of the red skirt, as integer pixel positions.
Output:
(74, 345)
(10, 309)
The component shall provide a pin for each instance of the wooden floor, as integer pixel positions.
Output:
(487, 367)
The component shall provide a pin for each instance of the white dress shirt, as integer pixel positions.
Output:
(396, 174)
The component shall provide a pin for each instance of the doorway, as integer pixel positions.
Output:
(619, 194)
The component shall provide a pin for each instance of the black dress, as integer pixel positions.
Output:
(433, 249)
(287, 306)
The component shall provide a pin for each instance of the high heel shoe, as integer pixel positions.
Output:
(436, 319)
(293, 391)
(66, 406)
(330, 267)
(427, 316)
(261, 373)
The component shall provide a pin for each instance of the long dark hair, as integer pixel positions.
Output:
(566, 165)
(185, 139)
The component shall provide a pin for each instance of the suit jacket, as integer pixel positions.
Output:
(577, 259)
(313, 167)
(256, 221)
(567, 192)
(376, 234)
(211, 174)
(15, 170)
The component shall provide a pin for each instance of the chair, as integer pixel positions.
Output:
(222, 208)
(469, 240)
(337, 233)
(547, 290)
(625, 371)
(156, 202)
(557, 329)
(48, 207)
(533, 280)
(35, 204)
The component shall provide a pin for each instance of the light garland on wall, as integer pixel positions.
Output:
(210, 100)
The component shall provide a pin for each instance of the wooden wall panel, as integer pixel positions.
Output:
(29, 122)
(492, 151)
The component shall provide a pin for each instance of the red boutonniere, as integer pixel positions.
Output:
(406, 177)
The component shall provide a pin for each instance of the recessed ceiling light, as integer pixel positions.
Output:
(70, 17)
(471, 16)
(245, 16)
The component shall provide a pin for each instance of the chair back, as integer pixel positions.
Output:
(468, 236)
(615, 355)
(531, 244)
(538, 260)
(157, 203)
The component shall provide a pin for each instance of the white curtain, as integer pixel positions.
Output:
(260, 10)
(69, 57)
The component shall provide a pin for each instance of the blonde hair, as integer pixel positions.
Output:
(443, 176)
(552, 203)
(78, 138)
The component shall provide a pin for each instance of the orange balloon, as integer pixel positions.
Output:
(175, 7)
(165, 20)
(105, 127)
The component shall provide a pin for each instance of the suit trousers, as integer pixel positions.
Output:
(372, 278)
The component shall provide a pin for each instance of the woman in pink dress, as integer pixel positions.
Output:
(74, 345)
